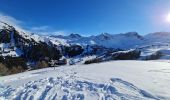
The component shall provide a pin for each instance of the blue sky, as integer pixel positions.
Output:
(87, 17)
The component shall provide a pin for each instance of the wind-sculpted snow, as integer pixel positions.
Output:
(70, 89)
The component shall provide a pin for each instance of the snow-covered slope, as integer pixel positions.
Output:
(25, 34)
(120, 80)
(158, 37)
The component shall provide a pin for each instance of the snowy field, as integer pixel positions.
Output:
(116, 80)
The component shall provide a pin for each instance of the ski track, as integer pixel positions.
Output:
(69, 88)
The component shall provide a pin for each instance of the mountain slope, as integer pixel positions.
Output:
(19, 50)
(158, 37)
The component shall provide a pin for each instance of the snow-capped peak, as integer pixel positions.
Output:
(73, 35)
(161, 37)
(105, 36)
(133, 34)
(161, 34)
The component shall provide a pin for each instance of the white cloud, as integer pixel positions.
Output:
(60, 33)
(20, 26)
(40, 28)
(11, 21)
(44, 30)
(53, 33)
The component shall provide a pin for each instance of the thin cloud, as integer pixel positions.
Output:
(40, 28)
(53, 33)
(12, 21)
(19, 25)
(9, 20)
(60, 33)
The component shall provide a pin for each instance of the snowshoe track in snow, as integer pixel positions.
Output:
(67, 89)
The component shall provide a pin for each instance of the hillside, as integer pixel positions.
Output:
(130, 80)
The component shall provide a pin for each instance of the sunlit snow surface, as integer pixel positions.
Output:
(120, 80)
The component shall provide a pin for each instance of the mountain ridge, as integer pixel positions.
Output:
(36, 51)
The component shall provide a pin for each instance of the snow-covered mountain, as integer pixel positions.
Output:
(148, 44)
(158, 37)
(36, 51)
(21, 51)
(124, 41)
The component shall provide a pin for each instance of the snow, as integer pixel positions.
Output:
(132, 80)
(124, 40)
(1, 25)
(79, 59)
(57, 41)
(128, 40)
(164, 48)
(158, 37)
(107, 40)
(5, 50)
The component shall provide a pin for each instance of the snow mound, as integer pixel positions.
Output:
(64, 89)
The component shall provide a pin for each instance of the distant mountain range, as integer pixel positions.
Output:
(123, 40)
(36, 51)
